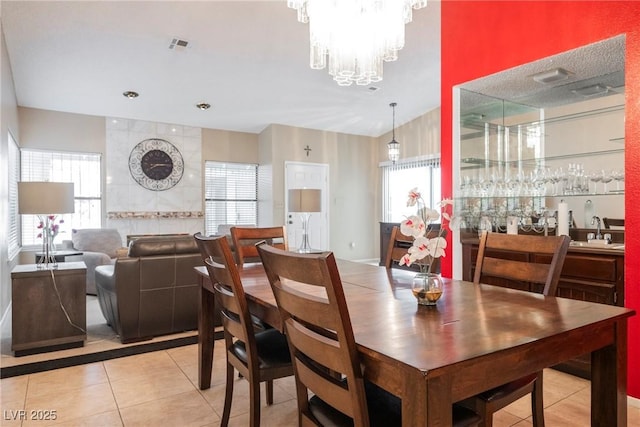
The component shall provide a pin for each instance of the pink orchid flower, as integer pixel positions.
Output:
(414, 196)
(413, 226)
(416, 227)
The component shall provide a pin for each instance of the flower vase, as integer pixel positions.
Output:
(48, 259)
(52, 246)
(427, 288)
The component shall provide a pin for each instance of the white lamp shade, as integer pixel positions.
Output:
(305, 200)
(45, 198)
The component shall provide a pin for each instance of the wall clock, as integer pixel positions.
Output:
(156, 164)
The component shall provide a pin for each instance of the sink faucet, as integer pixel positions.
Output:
(596, 220)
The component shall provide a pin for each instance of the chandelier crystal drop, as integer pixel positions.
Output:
(354, 37)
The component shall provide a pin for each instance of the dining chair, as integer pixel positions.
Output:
(537, 269)
(245, 239)
(616, 222)
(399, 244)
(311, 301)
(258, 356)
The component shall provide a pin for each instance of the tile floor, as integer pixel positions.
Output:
(100, 337)
(160, 388)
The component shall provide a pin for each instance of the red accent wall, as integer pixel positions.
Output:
(484, 37)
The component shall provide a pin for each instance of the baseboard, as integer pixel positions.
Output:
(374, 261)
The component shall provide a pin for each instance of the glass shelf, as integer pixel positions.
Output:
(474, 162)
(477, 122)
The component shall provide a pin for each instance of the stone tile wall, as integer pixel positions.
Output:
(133, 209)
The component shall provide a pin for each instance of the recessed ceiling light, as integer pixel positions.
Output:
(130, 94)
(551, 76)
(203, 106)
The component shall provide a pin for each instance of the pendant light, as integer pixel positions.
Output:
(394, 146)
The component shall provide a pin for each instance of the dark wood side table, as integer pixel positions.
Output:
(38, 322)
(59, 256)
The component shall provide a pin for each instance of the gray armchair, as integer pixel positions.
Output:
(99, 246)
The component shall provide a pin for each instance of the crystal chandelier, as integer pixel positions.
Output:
(355, 36)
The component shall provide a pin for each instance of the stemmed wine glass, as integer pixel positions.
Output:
(595, 177)
(618, 176)
(554, 178)
(606, 179)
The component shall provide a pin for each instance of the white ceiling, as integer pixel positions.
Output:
(248, 59)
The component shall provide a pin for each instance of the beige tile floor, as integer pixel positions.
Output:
(100, 337)
(160, 389)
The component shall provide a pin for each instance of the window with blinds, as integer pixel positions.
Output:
(231, 195)
(13, 234)
(399, 178)
(84, 170)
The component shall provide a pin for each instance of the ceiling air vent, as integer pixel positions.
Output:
(178, 44)
(591, 91)
(551, 76)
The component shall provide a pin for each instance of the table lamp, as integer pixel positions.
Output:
(45, 199)
(305, 201)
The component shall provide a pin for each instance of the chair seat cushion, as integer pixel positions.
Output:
(506, 389)
(273, 350)
(385, 410)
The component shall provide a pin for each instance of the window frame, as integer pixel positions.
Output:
(88, 185)
(14, 226)
(211, 168)
(430, 194)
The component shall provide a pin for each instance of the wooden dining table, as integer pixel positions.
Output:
(475, 338)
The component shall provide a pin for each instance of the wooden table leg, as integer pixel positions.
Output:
(414, 400)
(205, 335)
(609, 381)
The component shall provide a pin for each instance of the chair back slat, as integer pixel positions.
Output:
(317, 310)
(515, 270)
(317, 346)
(398, 245)
(332, 393)
(533, 270)
(320, 354)
(231, 312)
(615, 222)
(245, 238)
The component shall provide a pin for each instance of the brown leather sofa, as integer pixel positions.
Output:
(154, 290)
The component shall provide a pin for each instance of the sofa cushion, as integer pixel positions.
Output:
(154, 246)
(105, 240)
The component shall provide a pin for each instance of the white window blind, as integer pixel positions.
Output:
(231, 195)
(13, 235)
(84, 170)
(399, 178)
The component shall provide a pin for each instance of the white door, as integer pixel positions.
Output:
(314, 176)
